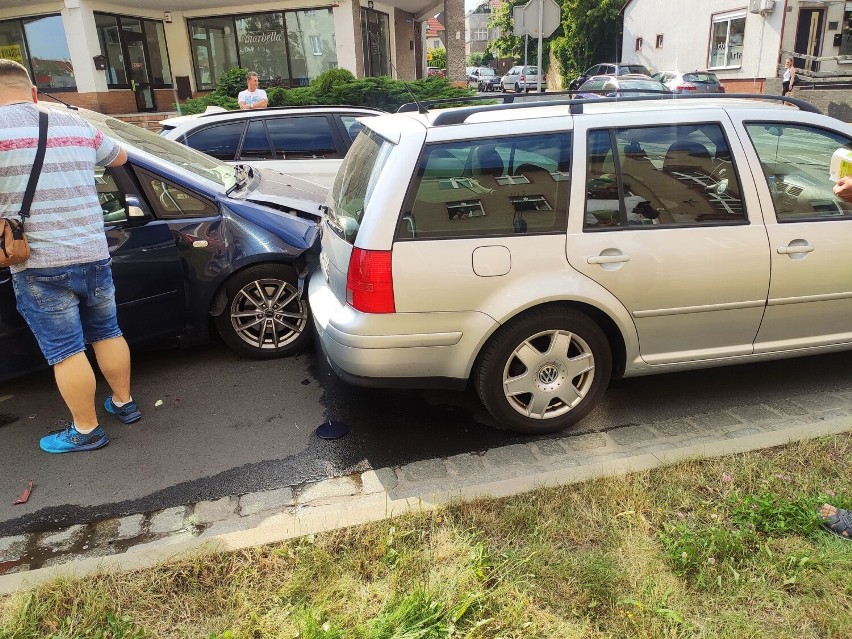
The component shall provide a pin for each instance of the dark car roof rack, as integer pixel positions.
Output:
(460, 115)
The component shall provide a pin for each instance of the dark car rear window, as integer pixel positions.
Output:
(633, 68)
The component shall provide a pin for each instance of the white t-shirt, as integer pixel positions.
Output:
(250, 98)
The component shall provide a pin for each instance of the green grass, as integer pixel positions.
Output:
(724, 548)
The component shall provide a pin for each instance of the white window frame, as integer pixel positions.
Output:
(316, 44)
(480, 34)
(728, 17)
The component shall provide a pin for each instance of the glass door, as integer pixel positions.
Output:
(137, 64)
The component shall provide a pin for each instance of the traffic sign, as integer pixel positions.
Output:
(551, 17)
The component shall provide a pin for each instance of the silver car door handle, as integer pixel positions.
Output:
(607, 259)
(789, 250)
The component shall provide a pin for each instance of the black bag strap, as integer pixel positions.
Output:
(37, 164)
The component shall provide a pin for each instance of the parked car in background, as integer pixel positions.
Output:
(483, 79)
(436, 71)
(568, 248)
(194, 241)
(609, 68)
(620, 86)
(522, 78)
(308, 142)
(691, 82)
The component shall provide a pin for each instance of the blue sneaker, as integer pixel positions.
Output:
(128, 413)
(70, 440)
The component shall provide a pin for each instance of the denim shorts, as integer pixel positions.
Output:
(68, 307)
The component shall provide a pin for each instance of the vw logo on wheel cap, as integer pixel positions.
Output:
(548, 374)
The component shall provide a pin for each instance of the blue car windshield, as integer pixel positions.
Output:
(189, 159)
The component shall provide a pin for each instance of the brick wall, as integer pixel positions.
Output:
(113, 102)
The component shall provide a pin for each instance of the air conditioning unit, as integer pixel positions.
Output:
(761, 6)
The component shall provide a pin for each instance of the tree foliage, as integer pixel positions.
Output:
(438, 58)
(512, 46)
(591, 35)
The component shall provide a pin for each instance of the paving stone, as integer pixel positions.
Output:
(511, 455)
(788, 408)
(465, 465)
(589, 441)
(12, 548)
(130, 526)
(168, 520)
(549, 447)
(62, 539)
(252, 503)
(821, 402)
(377, 481)
(329, 490)
(677, 428)
(555, 463)
(630, 435)
(757, 413)
(207, 512)
(785, 424)
(715, 420)
(596, 459)
(425, 470)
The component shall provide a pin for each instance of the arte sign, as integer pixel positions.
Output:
(11, 52)
(262, 37)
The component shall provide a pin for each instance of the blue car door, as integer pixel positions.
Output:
(146, 265)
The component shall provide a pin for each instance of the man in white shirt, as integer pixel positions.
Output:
(252, 98)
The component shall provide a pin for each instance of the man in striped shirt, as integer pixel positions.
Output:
(64, 290)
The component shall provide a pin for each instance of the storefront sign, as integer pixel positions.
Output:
(11, 52)
(262, 37)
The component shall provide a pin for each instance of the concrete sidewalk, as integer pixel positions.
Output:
(252, 519)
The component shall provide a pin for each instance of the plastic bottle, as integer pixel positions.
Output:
(841, 164)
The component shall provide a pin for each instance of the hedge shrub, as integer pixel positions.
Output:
(337, 86)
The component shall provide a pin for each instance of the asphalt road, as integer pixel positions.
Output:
(228, 426)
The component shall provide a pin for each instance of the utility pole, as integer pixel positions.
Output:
(540, 18)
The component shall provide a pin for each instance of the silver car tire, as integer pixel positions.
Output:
(544, 371)
(265, 317)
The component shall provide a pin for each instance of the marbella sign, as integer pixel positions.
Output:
(262, 37)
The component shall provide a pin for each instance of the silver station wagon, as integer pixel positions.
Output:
(538, 251)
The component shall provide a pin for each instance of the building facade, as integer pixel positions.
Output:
(741, 41)
(122, 58)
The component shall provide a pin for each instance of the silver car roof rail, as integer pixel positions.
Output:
(460, 115)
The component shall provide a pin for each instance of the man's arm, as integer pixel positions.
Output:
(120, 159)
(843, 189)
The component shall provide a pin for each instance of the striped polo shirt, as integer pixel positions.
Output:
(66, 224)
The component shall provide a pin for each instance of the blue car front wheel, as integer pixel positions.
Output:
(265, 317)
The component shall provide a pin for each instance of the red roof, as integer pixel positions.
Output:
(433, 27)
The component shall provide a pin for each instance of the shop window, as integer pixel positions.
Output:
(41, 46)
(214, 49)
(262, 45)
(313, 50)
(726, 45)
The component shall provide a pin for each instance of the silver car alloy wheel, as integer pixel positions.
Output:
(268, 313)
(548, 374)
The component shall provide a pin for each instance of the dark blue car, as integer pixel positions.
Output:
(193, 239)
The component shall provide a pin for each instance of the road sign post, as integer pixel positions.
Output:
(538, 18)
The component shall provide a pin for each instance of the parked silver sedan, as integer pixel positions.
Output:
(522, 78)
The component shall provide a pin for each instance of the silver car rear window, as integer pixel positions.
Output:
(355, 182)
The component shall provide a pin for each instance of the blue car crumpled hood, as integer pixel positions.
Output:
(285, 205)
